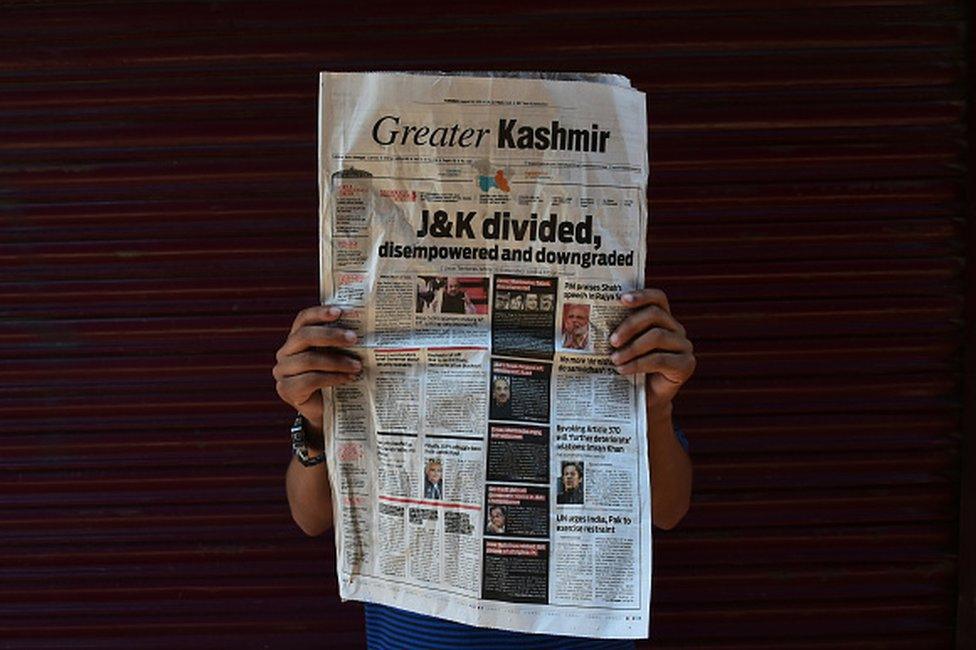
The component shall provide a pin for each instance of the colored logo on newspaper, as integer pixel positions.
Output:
(490, 176)
(498, 181)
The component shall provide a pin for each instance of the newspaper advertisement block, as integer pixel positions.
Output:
(489, 466)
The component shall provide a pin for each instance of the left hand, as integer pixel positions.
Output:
(651, 341)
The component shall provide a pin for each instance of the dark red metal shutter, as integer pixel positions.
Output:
(158, 199)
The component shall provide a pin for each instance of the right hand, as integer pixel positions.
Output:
(312, 359)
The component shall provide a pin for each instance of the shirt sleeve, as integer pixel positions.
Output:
(680, 435)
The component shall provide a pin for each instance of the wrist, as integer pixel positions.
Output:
(308, 447)
(313, 427)
(659, 413)
(314, 437)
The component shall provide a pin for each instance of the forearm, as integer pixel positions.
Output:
(671, 473)
(309, 496)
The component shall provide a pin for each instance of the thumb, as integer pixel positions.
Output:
(312, 409)
(662, 387)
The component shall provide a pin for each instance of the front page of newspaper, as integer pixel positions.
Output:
(489, 466)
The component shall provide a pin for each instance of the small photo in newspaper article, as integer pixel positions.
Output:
(571, 483)
(497, 520)
(434, 479)
(575, 332)
(438, 294)
(519, 391)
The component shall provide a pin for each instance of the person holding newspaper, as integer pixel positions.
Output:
(316, 355)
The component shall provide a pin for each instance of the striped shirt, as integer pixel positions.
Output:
(388, 629)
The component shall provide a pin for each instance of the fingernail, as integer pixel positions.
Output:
(614, 340)
(350, 336)
(357, 366)
(614, 357)
(334, 311)
(627, 297)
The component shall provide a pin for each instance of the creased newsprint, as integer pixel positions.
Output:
(489, 466)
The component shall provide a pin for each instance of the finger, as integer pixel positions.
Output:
(298, 389)
(316, 336)
(661, 387)
(641, 321)
(656, 338)
(315, 316)
(312, 360)
(649, 296)
(675, 368)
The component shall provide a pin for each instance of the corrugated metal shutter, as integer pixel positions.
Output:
(157, 197)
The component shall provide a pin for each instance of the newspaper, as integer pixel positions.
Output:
(489, 466)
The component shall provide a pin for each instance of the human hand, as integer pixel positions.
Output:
(312, 358)
(651, 341)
